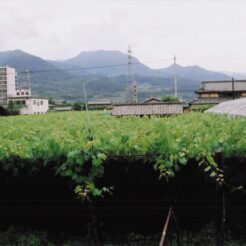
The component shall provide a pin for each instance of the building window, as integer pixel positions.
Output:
(24, 102)
(34, 102)
(18, 93)
(41, 103)
(22, 93)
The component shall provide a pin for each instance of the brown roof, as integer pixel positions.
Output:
(147, 109)
(152, 99)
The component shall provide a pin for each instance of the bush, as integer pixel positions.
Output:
(201, 108)
(21, 237)
(11, 109)
(170, 99)
(78, 106)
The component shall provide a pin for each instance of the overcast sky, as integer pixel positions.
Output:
(211, 34)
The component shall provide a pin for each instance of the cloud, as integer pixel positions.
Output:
(193, 30)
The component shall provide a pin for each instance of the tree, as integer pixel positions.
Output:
(170, 99)
(78, 106)
(51, 101)
(11, 109)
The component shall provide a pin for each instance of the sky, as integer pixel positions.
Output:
(211, 34)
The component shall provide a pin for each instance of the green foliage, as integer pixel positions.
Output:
(78, 106)
(21, 237)
(201, 108)
(11, 109)
(51, 101)
(169, 99)
(206, 235)
(168, 142)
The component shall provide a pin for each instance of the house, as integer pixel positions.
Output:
(30, 105)
(10, 93)
(214, 92)
(100, 105)
(152, 100)
(160, 109)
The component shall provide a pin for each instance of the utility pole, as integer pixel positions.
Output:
(175, 78)
(130, 80)
(233, 89)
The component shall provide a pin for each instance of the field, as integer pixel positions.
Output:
(74, 138)
(121, 165)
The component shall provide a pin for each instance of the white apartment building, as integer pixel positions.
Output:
(9, 93)
(8, 83)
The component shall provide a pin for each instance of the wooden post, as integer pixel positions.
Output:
(93, 234)
(223, 218)
(233, 89)
(222, 199)
(164, 233)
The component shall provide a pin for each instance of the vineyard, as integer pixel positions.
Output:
(75, 139)
(74, 160)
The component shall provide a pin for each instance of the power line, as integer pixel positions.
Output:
(133, 63)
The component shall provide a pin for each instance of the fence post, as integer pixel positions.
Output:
(164, 233)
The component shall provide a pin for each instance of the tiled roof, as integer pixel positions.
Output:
(239, 85)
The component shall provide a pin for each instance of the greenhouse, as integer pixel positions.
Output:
(233, 108)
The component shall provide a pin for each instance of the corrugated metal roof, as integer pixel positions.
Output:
(239, 85)
(99, 103)
(148, 109)
(233, 108)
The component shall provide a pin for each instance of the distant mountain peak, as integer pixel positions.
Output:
(18, 51)
(194, 72)
(173, 65)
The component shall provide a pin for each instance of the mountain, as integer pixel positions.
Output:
(46, 78)
(194, 72)
(113, 59)
(105, 73)
(236, 75)
(21, 61)
(111, 63)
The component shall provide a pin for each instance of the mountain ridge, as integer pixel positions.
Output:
(62, 79)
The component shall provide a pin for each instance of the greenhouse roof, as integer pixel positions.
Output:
(233, 108)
